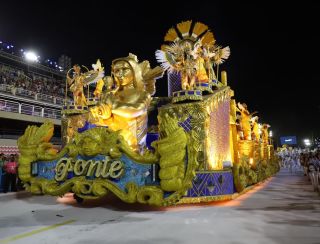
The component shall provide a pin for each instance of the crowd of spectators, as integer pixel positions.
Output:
(8, 173)
(34, 83)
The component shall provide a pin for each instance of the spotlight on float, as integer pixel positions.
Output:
(31, 56)
(270, 133)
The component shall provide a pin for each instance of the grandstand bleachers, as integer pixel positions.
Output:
(29, 94)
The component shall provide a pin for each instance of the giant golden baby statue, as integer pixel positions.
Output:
(125, 106)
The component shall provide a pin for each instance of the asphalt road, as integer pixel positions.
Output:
(284, 209)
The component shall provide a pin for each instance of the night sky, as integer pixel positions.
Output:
(273, 66)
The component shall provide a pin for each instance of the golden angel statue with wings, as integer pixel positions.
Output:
(125, 103)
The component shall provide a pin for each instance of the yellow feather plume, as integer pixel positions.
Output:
(171, 35)
(199, 28)
(184, 27)
(208, 38)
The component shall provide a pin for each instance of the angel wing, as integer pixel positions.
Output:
(150, 76)
(167, 57)
(166, 60)
(208, 53)
(97, 66)
(93, 76)
(221, 55)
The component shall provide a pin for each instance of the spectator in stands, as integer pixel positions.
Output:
(19, 83)
(316, 161)
(10, 180)
(1, 160)
(19, 182)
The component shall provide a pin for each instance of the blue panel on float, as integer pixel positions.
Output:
(135, 172)
(212, 184)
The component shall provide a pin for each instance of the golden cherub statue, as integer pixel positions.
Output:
(76, 84)
(245, 121)
(255, 128)
(80, 80)
(265, 133)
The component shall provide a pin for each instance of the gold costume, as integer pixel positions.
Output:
(255, 129)
(202, 75)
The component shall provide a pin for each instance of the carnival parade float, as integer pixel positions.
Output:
(203, 147)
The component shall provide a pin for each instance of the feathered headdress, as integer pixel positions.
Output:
(186, 31)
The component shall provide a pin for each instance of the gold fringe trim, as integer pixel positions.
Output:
(205, 199)
(186, 97)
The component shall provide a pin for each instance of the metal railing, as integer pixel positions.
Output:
(28, 109)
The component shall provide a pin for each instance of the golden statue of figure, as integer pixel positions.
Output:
(76, 83)
(245, 121)
(80, 80)
(125, 107)
(255, 128)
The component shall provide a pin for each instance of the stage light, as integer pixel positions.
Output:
(270, 133)
(31, 56)
(307, 142)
